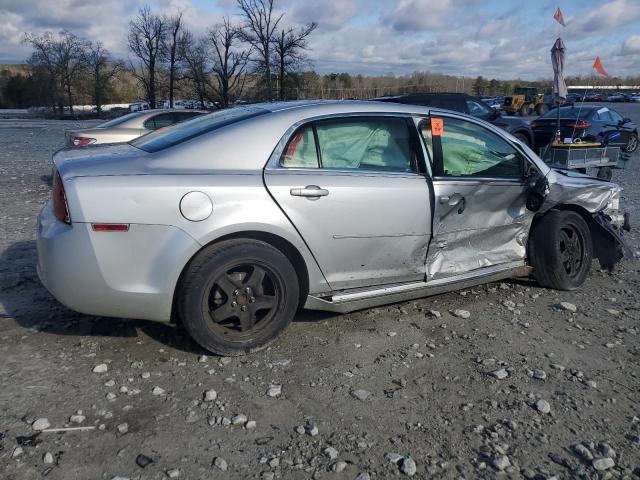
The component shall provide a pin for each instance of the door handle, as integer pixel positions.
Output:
(455, 200)
(310, 191)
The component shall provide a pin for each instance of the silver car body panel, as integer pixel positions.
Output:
(371, 240)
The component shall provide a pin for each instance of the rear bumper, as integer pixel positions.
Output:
(115, 274)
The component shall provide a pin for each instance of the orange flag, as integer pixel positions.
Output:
(558, 17)
(597, 65)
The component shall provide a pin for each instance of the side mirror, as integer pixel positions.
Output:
(537, 194)
(626, 120)
(495, 114)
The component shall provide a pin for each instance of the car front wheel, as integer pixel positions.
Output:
(238, 296)
(561, 250)
(632, 144)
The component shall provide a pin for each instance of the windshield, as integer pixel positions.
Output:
(569, 112)
(119, 120)
(161, 139)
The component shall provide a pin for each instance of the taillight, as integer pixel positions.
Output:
(579, 125)
(83, 141)
(60, 207)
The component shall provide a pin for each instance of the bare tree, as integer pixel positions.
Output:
(260, 25)
(101, 71)
(173, 50)
(195, 53)
(289, 51)
(63, 56)
(146, 38)
(229, 61)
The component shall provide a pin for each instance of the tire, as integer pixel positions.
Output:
(632, 144)
(559, 262)
(605, 173)
(524, 110)
(523, 138)
(238, 296)
(541, 109)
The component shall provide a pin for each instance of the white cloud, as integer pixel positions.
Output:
(631, 45)
(418, 15)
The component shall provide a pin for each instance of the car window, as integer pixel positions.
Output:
(119, 120)
(603, 115)
(615, 116)
(301, 150)
(159, 121)
(477, 109)
(371, 144)
(161, 139)
(569, 112)
(469, 150)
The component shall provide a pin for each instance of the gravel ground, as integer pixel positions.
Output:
(523, 388)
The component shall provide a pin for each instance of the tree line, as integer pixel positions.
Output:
(257, 51)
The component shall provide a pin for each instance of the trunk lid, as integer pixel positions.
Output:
(100, 160)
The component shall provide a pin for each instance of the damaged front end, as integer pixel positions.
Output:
(598, 201)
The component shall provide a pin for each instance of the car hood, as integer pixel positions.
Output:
(590, 193)
(100, 160)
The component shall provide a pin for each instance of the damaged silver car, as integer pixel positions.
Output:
(233, 221)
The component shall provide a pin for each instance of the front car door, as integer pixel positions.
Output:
(354, 189)
(480, 218)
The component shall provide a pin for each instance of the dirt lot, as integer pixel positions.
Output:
(409, 379)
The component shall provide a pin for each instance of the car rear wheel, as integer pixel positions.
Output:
(541, 109)
(632, 144)
(524, 110)
(561, 250)
(523, 138)
(238, 296)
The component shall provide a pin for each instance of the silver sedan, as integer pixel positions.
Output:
(234, 220)
(128, 127)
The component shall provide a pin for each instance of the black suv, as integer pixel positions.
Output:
(461, 102)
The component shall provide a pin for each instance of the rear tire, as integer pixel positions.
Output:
(523, 138)
(561, 250)
(238, 296)
(524, 111)
(541, 109)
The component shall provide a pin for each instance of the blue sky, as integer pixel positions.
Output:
(494, 38)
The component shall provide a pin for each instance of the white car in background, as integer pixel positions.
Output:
(138, 106)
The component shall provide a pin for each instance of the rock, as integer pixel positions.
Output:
(143, 461)
(300, 429)
(500, 374)
(111, 396)
(102, 368)
(311, 429)
(268, 476)
(239, 419)
(221, 463)
(607, 451)
(173, 473)
(360, 394)
(601, 464)
(393, 457)
(77, 418)
(123, 428)
(500, 462)
(339, 466)
(40, 424)
(47, 458)
(250, 425)
(592, 384)
(435, 313)
(192, 417)
(274, 390)
(331, 452)
(210, 395)
(461, 313)
(157, 391)
(557, 366)
(543, 406)
(539, 374)
(408, 466)
(566, 306)
(17, 452)
(363, 476)
(583, 452)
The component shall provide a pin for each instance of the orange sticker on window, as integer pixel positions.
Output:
(437, 127)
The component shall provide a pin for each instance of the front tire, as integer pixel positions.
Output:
(238, 296)
(632, 144)
(541, 109)
(524, 111)
(561, 250)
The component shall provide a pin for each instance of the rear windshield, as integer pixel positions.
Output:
(119, 120)
(181, 132)
(569, 112)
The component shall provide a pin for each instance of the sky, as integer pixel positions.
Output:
(495, 38)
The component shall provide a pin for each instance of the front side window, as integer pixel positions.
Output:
(615, 116)
(470, 150)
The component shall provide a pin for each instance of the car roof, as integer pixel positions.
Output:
(307, 108)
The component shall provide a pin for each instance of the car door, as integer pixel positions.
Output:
(621, 127)
(353, 188)
(480, 195)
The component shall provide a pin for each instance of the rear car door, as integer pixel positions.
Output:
(479, 216)
(353, 188)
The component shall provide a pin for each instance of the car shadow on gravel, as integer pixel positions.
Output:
(29, 303)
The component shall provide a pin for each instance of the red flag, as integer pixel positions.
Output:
(558, 17)
(599, 68)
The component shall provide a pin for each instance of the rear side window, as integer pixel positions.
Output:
(159, 121)
(301, 150)
(161, 139)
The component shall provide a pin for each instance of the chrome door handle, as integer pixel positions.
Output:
(310, 191)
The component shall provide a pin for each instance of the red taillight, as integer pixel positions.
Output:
(83, 141)
(579, 125)
(60, 207)
(110, 227)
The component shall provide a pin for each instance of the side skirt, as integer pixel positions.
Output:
(349, 301)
